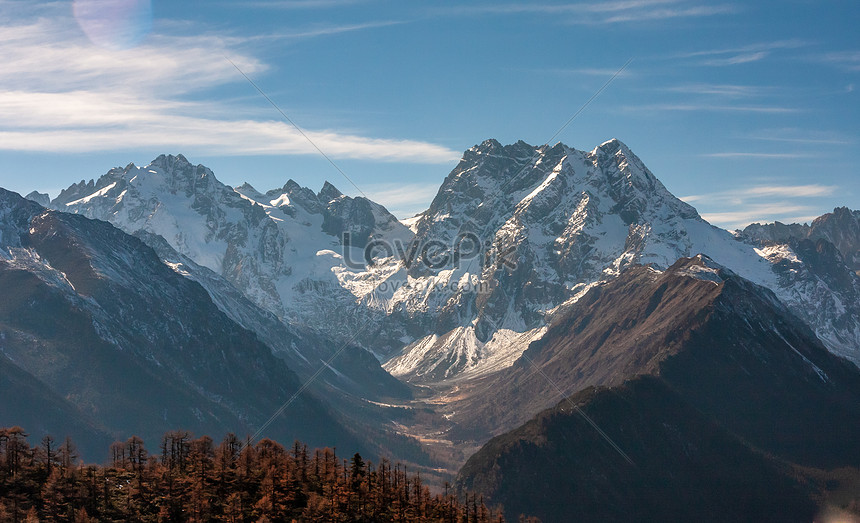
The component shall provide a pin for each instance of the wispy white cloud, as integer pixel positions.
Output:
(767, 156)
(599, 13)
(671, 13)
(756, 214)
(222, 137)
(794, 191)
(751, 48)
(47, 53)
(61, 93)
(737, 59)
(845, 60)
(293, 4)
(272, 138)
(801, 136)
(557, 8)
(757, 191)
(701, 107)
(329, 30)
(741, 206)
(85, 121)
(728, 90)
(740, 55)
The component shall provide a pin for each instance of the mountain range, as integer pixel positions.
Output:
(562, 219)
(537, 273)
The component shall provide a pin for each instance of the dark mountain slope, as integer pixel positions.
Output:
(724, 342)
(95, 315)
(687, 468)
(717, 393)
(29, 403)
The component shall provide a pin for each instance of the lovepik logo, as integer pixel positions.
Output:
(433, 254)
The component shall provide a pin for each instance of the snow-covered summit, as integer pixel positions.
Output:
(274, 246)
(569, 219)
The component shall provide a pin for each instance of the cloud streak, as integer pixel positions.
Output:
(751, 48)
(668, 14)
(844, 60)
(737, 59)
(601, 13)
(766, 156)
(756, 214)
(84, 121)
(810, 141)
(294, 4)
(740, 55)
(801, 136)
(332, 30)
(758, 191)
(691, 107)
(741, 206)
(726, 90)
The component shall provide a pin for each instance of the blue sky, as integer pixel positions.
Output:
(749, 111)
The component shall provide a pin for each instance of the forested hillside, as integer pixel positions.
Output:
(197, 480)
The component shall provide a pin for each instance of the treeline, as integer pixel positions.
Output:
(197, 480)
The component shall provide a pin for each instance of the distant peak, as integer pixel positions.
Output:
(843, 211)
(42, 199)
(487, 146)
(169, 161)
(557, 147)
(701, 267)
(246, 189)
(292, 186)
(613, 146)
(329, 192)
